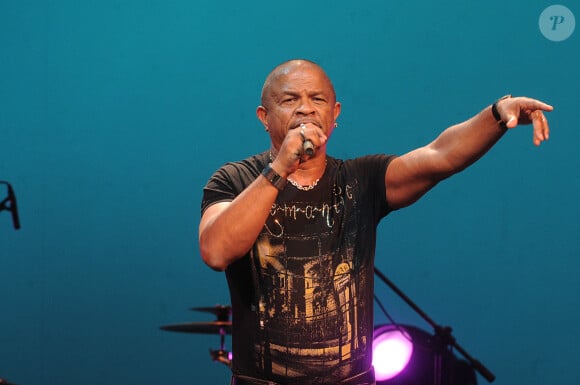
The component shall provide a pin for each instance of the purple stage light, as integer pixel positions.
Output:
(392, 351)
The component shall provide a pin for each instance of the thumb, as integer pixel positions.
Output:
(511, 122)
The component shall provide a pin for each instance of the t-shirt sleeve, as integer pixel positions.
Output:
(372, 169)
(229, 181)
(219, 188)
(382, 162)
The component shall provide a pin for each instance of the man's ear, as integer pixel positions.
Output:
(262, 114)
(337, 107)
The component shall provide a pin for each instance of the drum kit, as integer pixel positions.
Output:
(220, 326)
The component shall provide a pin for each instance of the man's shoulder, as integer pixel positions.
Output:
(363, 160)
(252, 164)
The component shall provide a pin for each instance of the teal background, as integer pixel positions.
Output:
(113, 114)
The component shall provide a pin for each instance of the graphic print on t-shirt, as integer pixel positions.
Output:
(308, 316)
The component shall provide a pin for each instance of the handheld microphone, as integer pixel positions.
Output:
(308, 147)
(13, 207)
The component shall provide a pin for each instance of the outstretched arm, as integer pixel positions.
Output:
(410, 176)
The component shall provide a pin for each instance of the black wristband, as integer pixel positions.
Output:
(273, 177)
(496, 114)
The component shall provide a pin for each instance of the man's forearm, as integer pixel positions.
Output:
(462, 144)
(228, 230)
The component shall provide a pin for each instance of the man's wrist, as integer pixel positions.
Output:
(497, 116)
(273, 177)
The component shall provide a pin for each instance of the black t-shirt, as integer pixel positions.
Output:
(302, 298)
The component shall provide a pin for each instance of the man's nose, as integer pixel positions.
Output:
(305, 107)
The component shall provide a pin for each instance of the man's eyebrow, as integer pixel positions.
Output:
(297, 92)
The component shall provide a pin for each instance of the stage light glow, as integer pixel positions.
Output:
(392, 351)
(407, 355)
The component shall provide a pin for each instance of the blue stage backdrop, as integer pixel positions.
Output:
(113, 114)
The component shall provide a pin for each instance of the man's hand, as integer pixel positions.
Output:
(522, 110)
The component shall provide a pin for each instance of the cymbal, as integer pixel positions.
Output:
(215, 327)
(222, 312)
(217, 309)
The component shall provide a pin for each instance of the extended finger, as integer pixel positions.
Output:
(541, 127)
(543, 106)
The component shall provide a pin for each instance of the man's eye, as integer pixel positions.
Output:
(288, 100)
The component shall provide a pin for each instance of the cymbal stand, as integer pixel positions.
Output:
(221, 355)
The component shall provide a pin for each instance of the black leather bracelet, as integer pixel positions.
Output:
(496, 114)
(273, 177)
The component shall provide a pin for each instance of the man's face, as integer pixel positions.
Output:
(302, 94)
